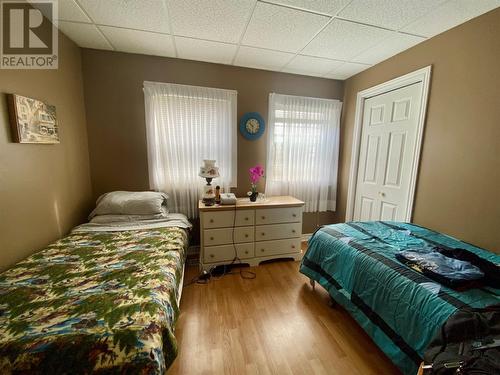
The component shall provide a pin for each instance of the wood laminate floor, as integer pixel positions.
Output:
(273, 324)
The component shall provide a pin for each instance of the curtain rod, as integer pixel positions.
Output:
(306, 97)
(182, 85)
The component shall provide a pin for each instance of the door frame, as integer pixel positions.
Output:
(421, 75)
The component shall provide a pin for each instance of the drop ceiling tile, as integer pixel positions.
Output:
(309, 65)
(341, 40)
(323, 6)
(389, 47)
(218, 20)
(261, 58)
(45, 11)
(85, 35)
(392, 14)
(147, 15)
(346, 70)
(70, 11)
(142, 42)
(281, 28)
(202, 50)
(449, 15)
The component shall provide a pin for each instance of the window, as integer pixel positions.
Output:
(186, 124)
(303, 148)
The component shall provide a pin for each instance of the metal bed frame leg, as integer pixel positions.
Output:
(332, 303)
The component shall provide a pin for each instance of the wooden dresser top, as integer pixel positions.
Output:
(244, 203)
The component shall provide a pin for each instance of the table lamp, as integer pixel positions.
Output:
(208, 171)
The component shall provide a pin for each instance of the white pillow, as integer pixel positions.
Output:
(131, 203)
(106, 219)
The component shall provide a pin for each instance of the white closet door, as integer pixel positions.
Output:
(387, 151)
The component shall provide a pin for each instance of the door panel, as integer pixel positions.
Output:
(388, 212)
(401, 109)
(371, 159)
(387, 151)
(395, 159)
(366, 209)
(377, 115)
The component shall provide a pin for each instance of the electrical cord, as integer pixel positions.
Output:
(204, 278)
(196, 280)
(244, 274)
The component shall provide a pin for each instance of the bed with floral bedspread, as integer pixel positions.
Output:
(94, 302)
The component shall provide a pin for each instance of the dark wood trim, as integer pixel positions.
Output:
(11, 105)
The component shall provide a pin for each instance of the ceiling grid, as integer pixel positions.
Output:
(324, 38)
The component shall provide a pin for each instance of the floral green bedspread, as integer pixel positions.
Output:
(97, 302)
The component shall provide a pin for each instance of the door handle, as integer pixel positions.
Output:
(382, 194)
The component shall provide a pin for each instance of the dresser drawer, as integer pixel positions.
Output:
(278, 215)
(224, 219)
(277, 231)
(267, 248)
(212, 254)
(244, 234)
(225, 235)
(245, 217)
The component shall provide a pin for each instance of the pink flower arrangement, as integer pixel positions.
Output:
(255, 174)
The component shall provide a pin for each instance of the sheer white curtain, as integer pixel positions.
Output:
(303, 149)
(186, 124)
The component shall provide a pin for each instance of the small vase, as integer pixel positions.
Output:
(253, 196)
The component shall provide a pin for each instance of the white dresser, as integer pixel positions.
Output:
(259, 231)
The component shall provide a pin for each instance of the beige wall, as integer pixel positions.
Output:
(459, 178)
(115, 111)
(44, 189)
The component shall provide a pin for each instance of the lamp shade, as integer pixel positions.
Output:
(208, 169)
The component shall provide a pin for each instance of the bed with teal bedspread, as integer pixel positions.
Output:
(398, 307)
(94, 302)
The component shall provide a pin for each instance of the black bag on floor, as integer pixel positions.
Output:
(468, 344)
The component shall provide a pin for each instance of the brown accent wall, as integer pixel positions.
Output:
(115, 112)
(44, 189)
(458, 185)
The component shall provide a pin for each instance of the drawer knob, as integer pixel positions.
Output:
(211, 220)
(246, 218)
(263, 234)
(293, 230)
(263, 217)
(212, 255)
(262, 250)
(246, 234)
(293, 246)
(211, 238)
(246, 251)
(294, 215)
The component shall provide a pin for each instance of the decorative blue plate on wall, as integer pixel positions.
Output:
(252, 125)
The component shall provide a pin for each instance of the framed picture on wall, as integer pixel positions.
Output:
(31, 120)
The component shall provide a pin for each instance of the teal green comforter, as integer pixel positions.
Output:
(398, 307)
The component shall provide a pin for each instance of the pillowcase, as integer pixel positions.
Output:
(131, 203)
(106, 219)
